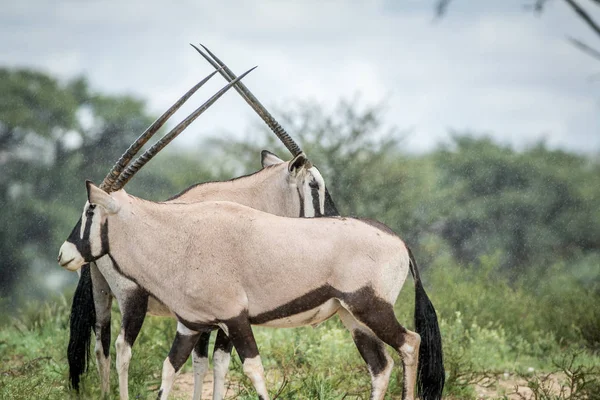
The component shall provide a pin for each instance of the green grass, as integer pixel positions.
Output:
(490, 327)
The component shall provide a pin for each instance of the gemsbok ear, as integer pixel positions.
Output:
(298, 162)
(267, 158)
(100, 197)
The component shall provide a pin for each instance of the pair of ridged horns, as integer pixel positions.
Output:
(122, 171)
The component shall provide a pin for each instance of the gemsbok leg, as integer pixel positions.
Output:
(183, 344)
(102, 304)
(221, 358)
(378, 316)
(133, 310)
(200, 363)
(373, 351)
(242, 337)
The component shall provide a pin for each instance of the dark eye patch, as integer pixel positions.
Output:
(90, 211)
(313, 184)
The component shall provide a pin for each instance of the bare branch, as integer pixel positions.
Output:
(442, 7)
(584, 15)
(585, 48)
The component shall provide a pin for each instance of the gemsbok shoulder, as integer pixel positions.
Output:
(294, 189)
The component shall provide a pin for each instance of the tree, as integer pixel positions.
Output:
(52, 134)
(534, 207)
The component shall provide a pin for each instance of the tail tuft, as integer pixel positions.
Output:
(82, 321)
(431, 375)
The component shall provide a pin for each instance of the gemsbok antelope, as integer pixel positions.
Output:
(294, 189)
(224, 265)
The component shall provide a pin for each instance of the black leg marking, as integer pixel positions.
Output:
(242, 337)
(181, 349)
(134, 312)
(105, 338)
(378, 315)
(223, 342)
(201, 347)
(371, 350)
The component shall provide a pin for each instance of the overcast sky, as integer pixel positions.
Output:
(488, 68)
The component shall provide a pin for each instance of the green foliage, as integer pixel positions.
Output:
(572, 379)
(532, 207)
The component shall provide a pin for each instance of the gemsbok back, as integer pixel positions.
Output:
(294, 189)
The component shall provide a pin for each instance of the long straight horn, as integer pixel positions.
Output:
(116, 170)
(167, 138)
(252, 101)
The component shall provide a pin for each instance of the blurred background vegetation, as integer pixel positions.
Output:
(508, 239)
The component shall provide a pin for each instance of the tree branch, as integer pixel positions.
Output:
(584, 15)
(442, 6)
(585, 48)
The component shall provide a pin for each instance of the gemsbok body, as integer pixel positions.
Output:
(224, 265)
(294, 189)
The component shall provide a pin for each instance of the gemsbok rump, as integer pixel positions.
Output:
(294, 189)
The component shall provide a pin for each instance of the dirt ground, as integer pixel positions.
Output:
(506, 385)
(184, 386)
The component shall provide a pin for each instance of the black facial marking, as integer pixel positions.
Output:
(301, 203)
(86, 247)
(104, 245)
(372, 351)
(181, 349)
(316, 198)
(82, 244)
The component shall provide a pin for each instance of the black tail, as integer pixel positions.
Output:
(82, 321)
(431, 375)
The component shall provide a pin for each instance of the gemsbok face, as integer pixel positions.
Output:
(303, 180)
(89, 239)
